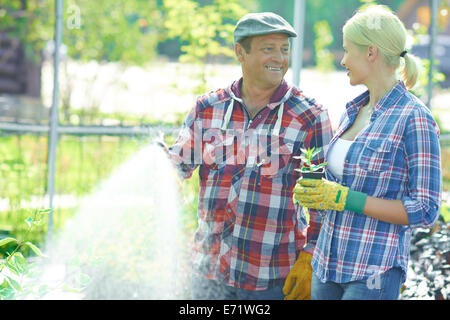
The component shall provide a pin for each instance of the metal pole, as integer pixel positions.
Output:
(53, 133)
(431, 54)
(297, 46)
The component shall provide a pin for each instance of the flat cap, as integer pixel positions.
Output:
(256, 24)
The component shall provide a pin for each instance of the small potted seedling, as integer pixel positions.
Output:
(309, 170)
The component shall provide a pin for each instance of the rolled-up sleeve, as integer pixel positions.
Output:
(423, 157)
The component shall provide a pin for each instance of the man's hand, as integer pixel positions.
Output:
(300, 278)
(159, 141)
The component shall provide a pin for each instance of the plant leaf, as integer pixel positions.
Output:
(316, 152)
(35, 249)
(19, 261)
(305, 151)
(13, 283)
(45, 211)
(4, 284)
(29, 221)
(304, 159)
(6, 241)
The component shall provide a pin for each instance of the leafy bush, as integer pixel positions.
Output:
(14, 268)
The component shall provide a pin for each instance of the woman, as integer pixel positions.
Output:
(384, 169)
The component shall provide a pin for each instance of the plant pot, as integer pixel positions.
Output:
(319, 174)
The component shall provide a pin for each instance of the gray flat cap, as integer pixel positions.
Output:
(256, 24)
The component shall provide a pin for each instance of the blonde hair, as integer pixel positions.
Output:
(377, 25)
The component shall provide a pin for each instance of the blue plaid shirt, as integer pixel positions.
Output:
(397, 156)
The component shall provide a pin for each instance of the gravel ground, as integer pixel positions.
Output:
(428, 275)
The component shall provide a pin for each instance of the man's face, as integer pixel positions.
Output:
(267, 61)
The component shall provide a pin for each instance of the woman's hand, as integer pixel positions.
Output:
(328, 195)
(320, 194)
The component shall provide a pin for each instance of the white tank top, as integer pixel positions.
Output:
(336, 157)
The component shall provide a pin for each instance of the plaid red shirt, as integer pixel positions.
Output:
(250, 232)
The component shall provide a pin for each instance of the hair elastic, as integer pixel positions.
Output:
(403, 53)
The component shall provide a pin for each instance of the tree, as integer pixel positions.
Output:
(29, 21)
(335, 13)
(121, 30)
(204, 31)
(125, 31)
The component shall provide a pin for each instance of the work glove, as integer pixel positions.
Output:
(328, 195)
(300, 278)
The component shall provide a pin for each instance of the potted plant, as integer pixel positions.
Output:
(309, 170)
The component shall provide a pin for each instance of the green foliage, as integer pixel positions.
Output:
(335, 12)
(204, 31)
(190, 191)
(33, 25)
(307, 158)
(121, 30)
(19, 276)
(445, 212)
(324, 38)
(101, 30)
(420, 89)
(367, 3)
(80, 167)
(15, 267)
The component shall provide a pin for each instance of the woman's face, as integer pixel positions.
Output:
(356, 62)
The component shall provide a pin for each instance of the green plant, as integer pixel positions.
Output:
(324, 38)
(308, 166)
(420, 89)
(14, 269)
(445, 211)
(205, 31)
(307, 158)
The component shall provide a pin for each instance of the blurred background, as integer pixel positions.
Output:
(130, 69)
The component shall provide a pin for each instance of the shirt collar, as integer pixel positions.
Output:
(385, 102)
(278, 97)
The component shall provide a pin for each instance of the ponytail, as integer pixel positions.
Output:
(410, 70)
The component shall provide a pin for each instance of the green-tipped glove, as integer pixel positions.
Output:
(300, 275)
(328, 195)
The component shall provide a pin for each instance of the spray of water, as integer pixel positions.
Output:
(125, 241)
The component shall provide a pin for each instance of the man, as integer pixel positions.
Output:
(244, 138)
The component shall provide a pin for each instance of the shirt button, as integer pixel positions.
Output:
(229, 210)
(259, 116)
